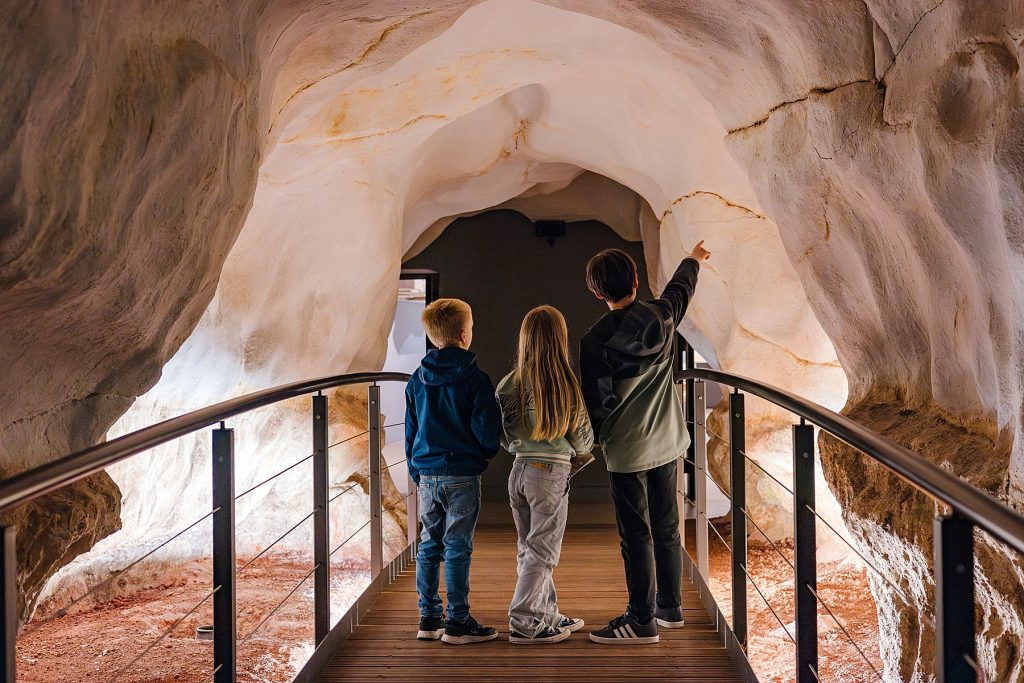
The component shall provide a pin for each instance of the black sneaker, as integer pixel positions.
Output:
(569, 624)
(669, 617)
(465, 632)
(431, 628)
(626, 630)
(548, 635)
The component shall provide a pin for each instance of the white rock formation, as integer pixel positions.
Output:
(856, 168)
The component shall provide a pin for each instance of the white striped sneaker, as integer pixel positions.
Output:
(626, 630)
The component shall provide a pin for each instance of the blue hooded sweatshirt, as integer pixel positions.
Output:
(452, 421)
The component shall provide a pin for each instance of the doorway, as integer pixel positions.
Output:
(503, 264)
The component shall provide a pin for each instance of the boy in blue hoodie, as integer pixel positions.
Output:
(452, 426)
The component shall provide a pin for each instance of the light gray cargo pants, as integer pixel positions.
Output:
(539, 494)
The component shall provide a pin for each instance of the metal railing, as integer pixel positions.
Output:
(52, 476)
(966, 507)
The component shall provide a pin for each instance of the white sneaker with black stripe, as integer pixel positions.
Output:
(626, 630)
(569, 624)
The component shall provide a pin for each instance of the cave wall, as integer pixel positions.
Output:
(855, 166)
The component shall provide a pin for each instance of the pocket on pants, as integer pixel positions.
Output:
(462, 497)
(546, 494)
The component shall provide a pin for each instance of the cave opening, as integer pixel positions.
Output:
(496, 262)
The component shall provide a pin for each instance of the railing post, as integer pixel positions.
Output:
(701, 454)
(738, 497)
(954, 599)
(9, 618)
(805, 549)
(690, 413)
(224, 625)
(321, 530)
(376, 517)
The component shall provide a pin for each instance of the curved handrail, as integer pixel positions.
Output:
(974, 504)
(48, 477)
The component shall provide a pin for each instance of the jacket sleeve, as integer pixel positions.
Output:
(581, 435)
(679, 290)
(486, 420)
(410, 431)
(596, 384)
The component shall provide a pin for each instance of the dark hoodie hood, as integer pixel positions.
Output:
(640, 330)
(447, 366)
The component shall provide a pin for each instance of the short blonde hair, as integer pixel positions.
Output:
(444, 321)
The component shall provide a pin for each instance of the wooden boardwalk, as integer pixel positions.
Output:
(590, 585)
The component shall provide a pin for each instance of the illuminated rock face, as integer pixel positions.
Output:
(854, 166)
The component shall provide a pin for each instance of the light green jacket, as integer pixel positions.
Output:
(517, 428)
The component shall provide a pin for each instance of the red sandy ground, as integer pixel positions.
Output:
(93, 644)
(770, 651)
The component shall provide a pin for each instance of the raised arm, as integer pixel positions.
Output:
(679, 290)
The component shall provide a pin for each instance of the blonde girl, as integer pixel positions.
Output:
(545, 424)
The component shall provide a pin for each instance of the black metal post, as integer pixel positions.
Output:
(691, 418)
(954, 599)
(321, 531)
(738, 496)
(224, 626)
(376, 516)
(805, 548)
(9, 620)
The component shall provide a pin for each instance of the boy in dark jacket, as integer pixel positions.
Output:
(452, 426)
(626, 378)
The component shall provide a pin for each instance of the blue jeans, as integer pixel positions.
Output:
(449, 508)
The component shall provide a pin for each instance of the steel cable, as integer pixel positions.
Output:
(64, 610)
(861, 556)
(777, 549)
(342, 493)
(769, 474)
(347, 439)
(350, 537)
(163, 635)
(768, 604)
(278, 606)
(279, 539)
(274, 476)
(720, 537)
(845, 632)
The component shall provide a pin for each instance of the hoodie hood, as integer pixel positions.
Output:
(639, 330)
(447, 366)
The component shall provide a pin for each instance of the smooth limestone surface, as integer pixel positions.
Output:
(209, 199)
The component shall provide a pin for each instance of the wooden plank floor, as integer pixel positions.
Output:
(590, 585)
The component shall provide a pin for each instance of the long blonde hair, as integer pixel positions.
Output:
(543, 364)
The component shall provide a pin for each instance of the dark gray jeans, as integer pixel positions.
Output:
(647, 515)
(539, 494)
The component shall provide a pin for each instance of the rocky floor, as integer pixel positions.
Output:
(95, 644)
(844, 588)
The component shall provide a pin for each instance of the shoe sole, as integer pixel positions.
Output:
(430, 635)
(540, 641)
(575, 627)
(646, 640)
(466, 640)
(671, 624)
